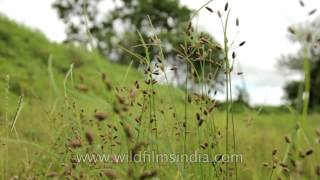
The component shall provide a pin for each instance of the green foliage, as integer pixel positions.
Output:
(293, 95)
(119, 26)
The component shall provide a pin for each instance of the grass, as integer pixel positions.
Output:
(59, 101)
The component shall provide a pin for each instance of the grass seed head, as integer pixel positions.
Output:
(317, 170)
(128, 131)
(100, 116)
(265, 164)
(89, 137)
(209, 9)
(148, 174)
(82, 87)
(301, 3)
(293, 162)
(309, 152)
(136, 83)
(318, 132)
(198, 116)
(274, 152)
(219, 14)
(242, 43)
(312, 12)
(233, 55)
(203, 146)
(137, 148)
(291, 30)
(302, 155)
(200, 122)
(110, 173)
(287, 139)
(52, 174)
(103, 76)
(226, 6)
(75, 143)
(283, 165)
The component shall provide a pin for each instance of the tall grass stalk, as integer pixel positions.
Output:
(51, 77)
(307, 82)
(228, 89)
(6, 125)
(19, 108)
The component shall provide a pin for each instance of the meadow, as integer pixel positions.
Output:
(58, 101)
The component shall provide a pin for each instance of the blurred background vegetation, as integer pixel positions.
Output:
(307, 37)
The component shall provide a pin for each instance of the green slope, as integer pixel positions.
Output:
(24, 55)
(54, 94)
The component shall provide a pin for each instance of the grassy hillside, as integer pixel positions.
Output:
(37, 69)
(58, 101)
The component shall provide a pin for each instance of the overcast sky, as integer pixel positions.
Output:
(263, 24)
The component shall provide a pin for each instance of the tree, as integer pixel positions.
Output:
(117, 30)
(308, 37)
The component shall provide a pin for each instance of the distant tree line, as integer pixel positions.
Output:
(88, 24)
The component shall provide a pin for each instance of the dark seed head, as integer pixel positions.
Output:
(203, 146)
(233, 55)
(301, 155)
(291, 30)
(198, 116)
(137, 148)
(205, 112)
(209, 9)
(52, 174)
(219, 13)
(148, 174)
(128, 132)
(137, 84)
(226, 7)
(317, 170)
(200, 122)
(173, 68)
(274, 152)
(301, 3)
(293, 162)
(242, 43)
(100, 116)
(312, 12)
(82, 87)
(204, 40)
(76, 143)
(89, 137)
(287, 139)
(283, 165)
(309, 37)
(309, 152)
(156, 73)
(189, 99)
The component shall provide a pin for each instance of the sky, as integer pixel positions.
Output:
(263, 25)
